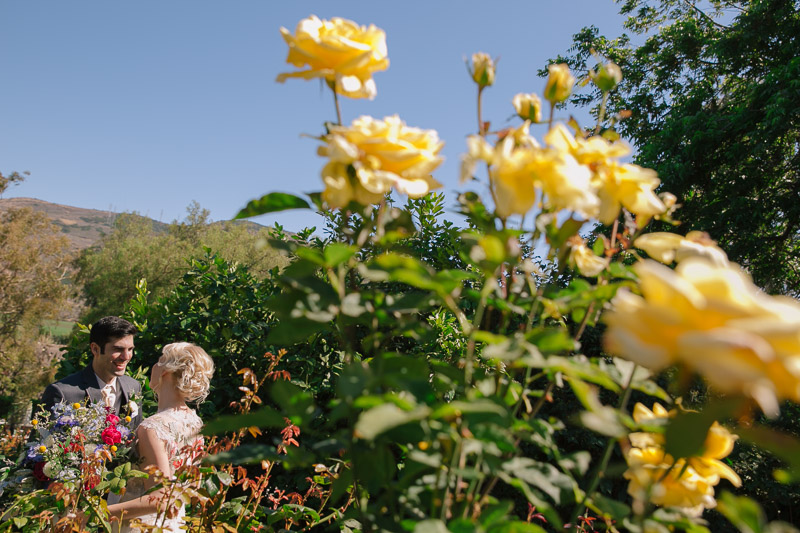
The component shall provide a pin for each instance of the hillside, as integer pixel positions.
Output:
(83, 227)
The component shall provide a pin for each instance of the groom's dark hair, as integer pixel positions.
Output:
(108, 328)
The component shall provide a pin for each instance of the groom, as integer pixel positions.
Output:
(104, 380)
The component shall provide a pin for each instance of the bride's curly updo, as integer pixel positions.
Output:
(192, 368)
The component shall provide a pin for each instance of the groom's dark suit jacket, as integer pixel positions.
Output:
(84, 384)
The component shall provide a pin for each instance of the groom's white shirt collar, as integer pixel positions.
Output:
(113, 383)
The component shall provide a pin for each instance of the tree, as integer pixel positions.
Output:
(33, 265)
(136, 250)
(714, 101)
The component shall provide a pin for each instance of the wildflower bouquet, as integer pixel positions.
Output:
(71, 436)
(68, 465)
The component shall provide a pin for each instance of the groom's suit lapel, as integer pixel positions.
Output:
(92, 387)
(124, 392)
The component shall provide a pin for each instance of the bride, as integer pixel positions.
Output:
(167, 439)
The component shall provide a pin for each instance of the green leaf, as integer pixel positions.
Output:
(384, 417)
(552, 340)
(341, 484)
(742, 512)
(292, 332)
(243, 455)
(294, 402)
(300, 512)
(337, 253)
(543, 476)
(576, 462)
(264, 417)
(475, 410)
(351, 305)
(599, 246)
(462, 525)
(270, 203)
(211, 487)
(618, 510)
(431, 526)
(374, 466)
(686, 433)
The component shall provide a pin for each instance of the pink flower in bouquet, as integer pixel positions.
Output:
(111, 436)
(112, 419)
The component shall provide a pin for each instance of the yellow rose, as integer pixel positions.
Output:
(617, 185)
(482, 70)
(339, 50)
(629, 186)
(594, 151)
(668, 247)
(528, 106)
(587, 263)
(669, 199)
(657, 477)
(522, 171)
(559, 83)
(566, 184)
(514, 184)
(713, 320)
(477, 150)
(370, 157)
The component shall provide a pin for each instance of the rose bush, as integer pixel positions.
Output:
(445, 415)
(450, 363)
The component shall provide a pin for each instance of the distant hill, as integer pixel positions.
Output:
(83, 227)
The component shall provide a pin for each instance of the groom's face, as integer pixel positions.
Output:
(112, 359)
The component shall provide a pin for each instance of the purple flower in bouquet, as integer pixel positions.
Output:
(74, 443)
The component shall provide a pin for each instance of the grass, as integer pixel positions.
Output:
(58, 329)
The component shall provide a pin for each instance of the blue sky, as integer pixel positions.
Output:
(148, 106)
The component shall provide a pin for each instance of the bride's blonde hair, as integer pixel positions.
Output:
(192, 368)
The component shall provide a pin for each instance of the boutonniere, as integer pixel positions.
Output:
(133, 409)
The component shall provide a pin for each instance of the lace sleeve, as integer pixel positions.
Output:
(175, 428)
(159, 426)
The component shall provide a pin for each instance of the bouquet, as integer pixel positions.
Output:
(76, 442)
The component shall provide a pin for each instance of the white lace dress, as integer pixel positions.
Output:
(178, 429)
